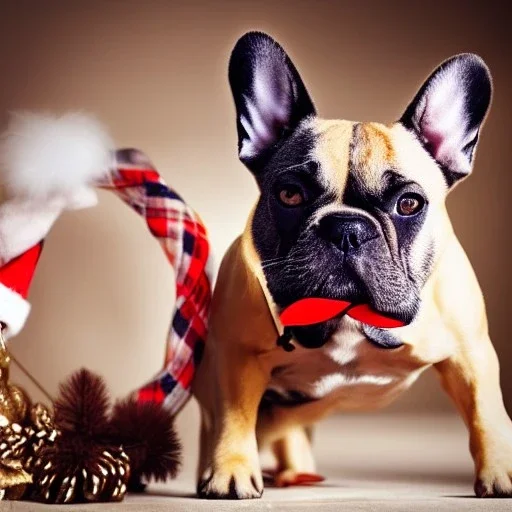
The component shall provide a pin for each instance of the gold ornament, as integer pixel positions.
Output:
(20, 448)
(14, 405)
(25, 431)
(13, 477)
(14, 401)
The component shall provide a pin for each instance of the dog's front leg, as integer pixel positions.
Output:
(471, 378)
(234, 471)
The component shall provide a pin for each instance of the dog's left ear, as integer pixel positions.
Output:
(270, 97)
(448, 111)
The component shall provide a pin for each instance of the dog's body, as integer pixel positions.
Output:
(352, 211)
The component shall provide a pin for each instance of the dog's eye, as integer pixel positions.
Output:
(291, 195)
(410, 204)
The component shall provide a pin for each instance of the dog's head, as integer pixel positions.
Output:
(353, 211)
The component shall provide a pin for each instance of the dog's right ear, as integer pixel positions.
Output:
(270, 97)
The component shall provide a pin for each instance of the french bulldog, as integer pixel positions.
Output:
(353, 211)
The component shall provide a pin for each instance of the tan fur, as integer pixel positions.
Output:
(333, 151)
(450, 332)
(375, 153)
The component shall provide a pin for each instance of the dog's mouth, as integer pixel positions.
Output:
(315, 310)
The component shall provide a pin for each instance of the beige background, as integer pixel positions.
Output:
(156, 73)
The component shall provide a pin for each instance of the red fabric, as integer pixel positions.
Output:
(367, 315)
(183, 237)
(18, 273)
(312, 311)
(316, 310)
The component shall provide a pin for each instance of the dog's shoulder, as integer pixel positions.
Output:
(240, 313)
(456, 292)
(452, 311)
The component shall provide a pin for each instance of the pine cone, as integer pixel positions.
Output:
(81, 465)
(13, 442)
(78, 470)
(41, 433)
(84, 453)
(13, 477)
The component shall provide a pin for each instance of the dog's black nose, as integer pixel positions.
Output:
(346, 231)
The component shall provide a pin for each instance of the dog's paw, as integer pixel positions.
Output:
(494, 476)
(234, 479)
(494, 483)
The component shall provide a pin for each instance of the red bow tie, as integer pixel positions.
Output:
(316, 310)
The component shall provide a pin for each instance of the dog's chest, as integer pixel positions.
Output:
(348, 371)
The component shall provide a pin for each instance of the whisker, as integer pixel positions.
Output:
(272, 260)
(286, 261)
(272, 264)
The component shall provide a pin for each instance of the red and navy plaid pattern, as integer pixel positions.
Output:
(184, 239)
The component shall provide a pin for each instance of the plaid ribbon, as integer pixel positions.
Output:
(184, 240)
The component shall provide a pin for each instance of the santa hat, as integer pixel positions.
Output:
(15, 278)
(47, 164)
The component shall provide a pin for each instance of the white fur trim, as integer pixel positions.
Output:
(84, 197)
(14, 310)
(43, 156)
(24, 223)
(48, 164)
